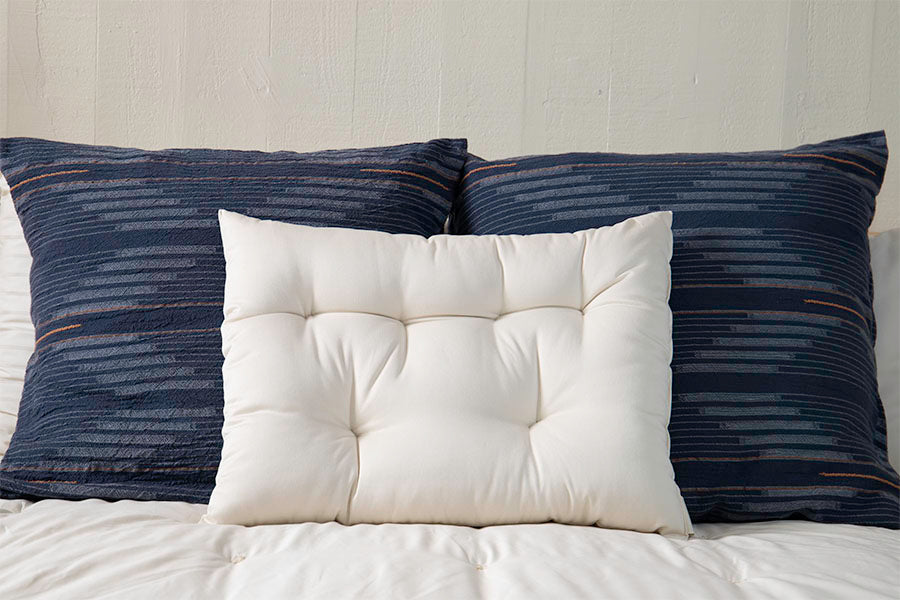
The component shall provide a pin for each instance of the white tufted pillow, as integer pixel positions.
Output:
(472, 380)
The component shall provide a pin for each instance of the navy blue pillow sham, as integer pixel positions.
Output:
(123, 394)
(775, 409)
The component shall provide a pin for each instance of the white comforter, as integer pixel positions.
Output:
(158, 550)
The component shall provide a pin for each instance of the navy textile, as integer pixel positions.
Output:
(775, 409)
(123, 394)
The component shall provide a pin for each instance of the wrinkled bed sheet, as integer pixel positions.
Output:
(159, 550)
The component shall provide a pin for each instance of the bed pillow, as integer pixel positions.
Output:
(375, 378)
(775, 409)
(123, 393)
(886, 277)
(16, 330)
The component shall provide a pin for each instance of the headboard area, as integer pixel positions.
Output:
(514, 77)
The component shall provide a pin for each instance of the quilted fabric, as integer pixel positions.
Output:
(463, 380)
(123, 394)
(775, 409)
(97, 550)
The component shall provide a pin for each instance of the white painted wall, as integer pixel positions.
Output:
(4, 39)
(514, 77)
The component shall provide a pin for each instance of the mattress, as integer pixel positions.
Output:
(128, 549)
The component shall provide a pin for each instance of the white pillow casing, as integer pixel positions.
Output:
(468, 380)
(16, 330)
(885, 250)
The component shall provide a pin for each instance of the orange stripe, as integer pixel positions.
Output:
(66, 328)
(46, 175)
(48, 481)
(127, 307)
(839, 160)
(500, 166)
(111, 335)
(409, 173)
(811, 301)
(863, 476)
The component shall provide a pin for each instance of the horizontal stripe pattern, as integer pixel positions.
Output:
(123, 394)
(775, 408)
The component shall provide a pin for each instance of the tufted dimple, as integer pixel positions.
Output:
(450, 380)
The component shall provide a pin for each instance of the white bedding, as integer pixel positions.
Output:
(159, 550)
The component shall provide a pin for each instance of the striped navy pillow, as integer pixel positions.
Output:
(775, 409)
(123, 394)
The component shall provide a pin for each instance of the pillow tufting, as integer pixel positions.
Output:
(465, 380)
(775, 407)
(123, 393)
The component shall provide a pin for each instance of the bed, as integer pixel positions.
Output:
(160, 549)
(127, 549)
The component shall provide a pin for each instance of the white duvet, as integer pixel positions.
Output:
(159, 550)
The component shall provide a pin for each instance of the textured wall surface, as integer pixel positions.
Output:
(514, 77)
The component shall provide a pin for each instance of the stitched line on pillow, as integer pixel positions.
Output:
(35, 178)
(57, 330)
(47, 481)
(764, 312)
(811, 301)
(839, 160)
(862, 476)
(500, 166)
(109, 335)
(652, 164)
(409, 173)
(133, 307)
(20, 197)
(762, 488)
(762, 285)
(286, 161)
(760, 458)
(110, 469)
